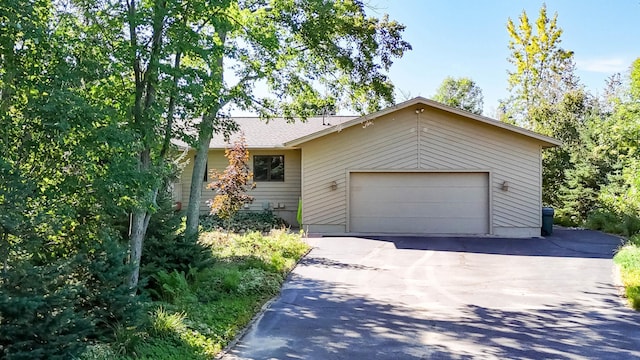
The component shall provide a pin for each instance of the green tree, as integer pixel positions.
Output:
(603, 174)
(546, 96)
(292, 47)
(543, 71)
(63, 158)
(462, 93)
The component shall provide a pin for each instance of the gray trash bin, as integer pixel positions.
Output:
(547, 221)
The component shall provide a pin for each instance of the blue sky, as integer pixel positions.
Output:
(469, 38)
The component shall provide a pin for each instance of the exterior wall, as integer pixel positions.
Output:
(432, 140)
(280, 197)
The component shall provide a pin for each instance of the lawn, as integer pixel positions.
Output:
(628, 258)
(197, 313)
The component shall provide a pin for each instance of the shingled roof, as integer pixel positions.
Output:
(278, 133)
(274, 133)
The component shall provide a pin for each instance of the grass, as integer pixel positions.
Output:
(199, 312)
(628, 258)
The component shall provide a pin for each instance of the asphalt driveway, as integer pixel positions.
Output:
(449, 298)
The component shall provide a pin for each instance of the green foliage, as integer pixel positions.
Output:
(229, 292)
(39, 317)
(611, 222)
(231, 186)
(543, 71)
(244, 221)
(292, 47)
(165, 324)
(172, 287)
(462, 93)
(635, 80)
(628, 258)
(166, 251)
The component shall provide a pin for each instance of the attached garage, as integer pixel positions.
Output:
(419, 202)
(421, 167)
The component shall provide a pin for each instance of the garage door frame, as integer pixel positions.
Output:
(421, 171)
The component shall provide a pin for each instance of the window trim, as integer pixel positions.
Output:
(270, 157)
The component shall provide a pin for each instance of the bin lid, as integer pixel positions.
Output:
(547, 211)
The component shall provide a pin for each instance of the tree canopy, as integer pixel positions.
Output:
(462, 93)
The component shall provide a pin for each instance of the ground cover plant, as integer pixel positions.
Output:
(628, 259)
(195, 313)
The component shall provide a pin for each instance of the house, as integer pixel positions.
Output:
(419, 167)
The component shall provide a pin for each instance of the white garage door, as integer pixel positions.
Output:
(433, 203)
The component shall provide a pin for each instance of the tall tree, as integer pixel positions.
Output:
(292, 47)
(63, 153)
(185, 64)
(543, 70)
(462, 93)
(546, 96)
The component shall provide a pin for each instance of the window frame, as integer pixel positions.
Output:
(269, 160)
(205, 178)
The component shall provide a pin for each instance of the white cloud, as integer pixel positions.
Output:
(603, 65)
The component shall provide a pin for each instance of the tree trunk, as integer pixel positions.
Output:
(205, 133)
(136, 238)
(199, 167)
(139, 224)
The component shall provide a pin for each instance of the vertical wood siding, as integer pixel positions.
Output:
(433, 140)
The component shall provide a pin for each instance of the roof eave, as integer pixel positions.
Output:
(547, 142)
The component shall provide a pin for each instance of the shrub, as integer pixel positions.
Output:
(50, 311)
(172, 287)
(38, 316)
(626, 225)
(165, 250)
(244, 221)
(628, 258)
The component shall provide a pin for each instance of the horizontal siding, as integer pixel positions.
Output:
(453, 142)
(266, 194)
(388, 143)
(433, 140)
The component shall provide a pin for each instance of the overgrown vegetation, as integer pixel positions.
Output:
(628, 259)
(92, 93)
(244, 221)
(198, 311)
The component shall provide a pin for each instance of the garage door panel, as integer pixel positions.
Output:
(408, 195)
(438, 203)
(436, 209)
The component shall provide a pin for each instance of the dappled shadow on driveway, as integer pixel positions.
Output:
(330, 263)
(563, 243)
(329, 321)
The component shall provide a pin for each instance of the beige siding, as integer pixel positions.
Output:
(432, 140)
(281, 197)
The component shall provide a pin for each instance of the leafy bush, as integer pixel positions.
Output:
(165, 250)
(628, 258)
(602, 220)
(172, 287)
(207, 307)
(626, 225)
(50, 311)
(244, 221)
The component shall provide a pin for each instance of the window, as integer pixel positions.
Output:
(268, 168)
(205, 178)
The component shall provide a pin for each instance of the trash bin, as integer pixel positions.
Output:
(547, 221)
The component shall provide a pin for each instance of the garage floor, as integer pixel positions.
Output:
(449, 298)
